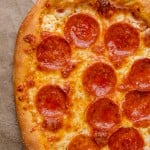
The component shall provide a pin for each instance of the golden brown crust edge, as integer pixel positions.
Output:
(31, 141)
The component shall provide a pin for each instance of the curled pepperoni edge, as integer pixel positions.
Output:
(58, 63)
(116, 141)
(129, 106)
(75, 40)
(114, 45)
(101, 134)
(86, 81)
(104, 102)
(130, 78)
(53, 122)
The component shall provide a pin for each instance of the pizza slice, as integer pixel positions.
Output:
(82, 76)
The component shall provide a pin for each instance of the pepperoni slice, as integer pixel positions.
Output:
(81, 30)
(52, 102)
(139, 75)
(126, 139)
(137, 107)
(99, 79)
(53, 53)
(82, 142)
(103, 117)
(121, 40)
(103, 114)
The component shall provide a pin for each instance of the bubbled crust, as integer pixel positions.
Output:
(31, 141)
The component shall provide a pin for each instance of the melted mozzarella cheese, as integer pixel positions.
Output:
(54, 22)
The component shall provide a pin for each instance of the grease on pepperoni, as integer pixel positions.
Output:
(137, 107)
(99, 79)
(82, 30)
(103, 117)
(52, 102)
(121, 40)
(139, 75)
(103, 114)
(82, 142)
(53, 53)
(126, 139)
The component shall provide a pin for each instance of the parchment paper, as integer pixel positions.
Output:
(12, 13)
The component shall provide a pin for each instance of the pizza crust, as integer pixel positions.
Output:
(31, 141)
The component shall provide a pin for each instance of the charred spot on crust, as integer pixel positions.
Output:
(47, 4)
(20, 88)
(29, 38)
(23, 97)
(30, 83)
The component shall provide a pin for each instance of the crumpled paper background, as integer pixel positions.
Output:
(12, 13)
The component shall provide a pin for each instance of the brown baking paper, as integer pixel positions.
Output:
(12, 13)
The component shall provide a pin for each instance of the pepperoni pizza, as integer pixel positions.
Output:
(82, 75)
